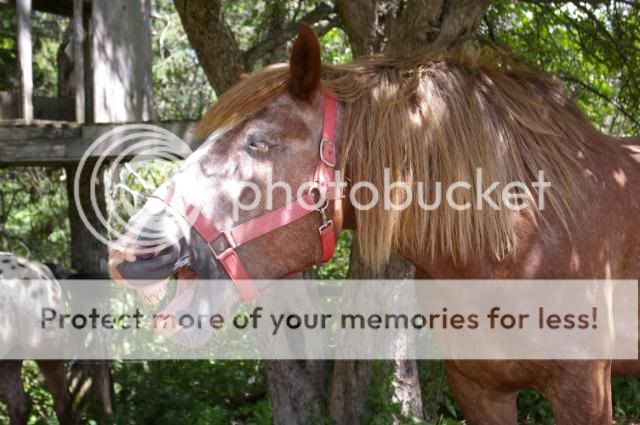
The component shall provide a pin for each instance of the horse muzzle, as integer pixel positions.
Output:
(154, 246)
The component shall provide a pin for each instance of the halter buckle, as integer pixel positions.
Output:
(322, 209)
(330, 162)
(230, 242)
(324, 225)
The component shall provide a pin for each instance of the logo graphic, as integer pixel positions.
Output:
(136, 158)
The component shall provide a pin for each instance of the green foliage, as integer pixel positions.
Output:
(180, 88)
(48, 33)
(335, 47)
(33, 213)
(338, 267)
(594, 48)
(8, 60)
(194, 392)
(42, 412)
(533, 409)
(626, 400)
(33, 204)
(437, 401)
(380, 409)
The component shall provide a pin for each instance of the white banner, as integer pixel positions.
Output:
(305, 319)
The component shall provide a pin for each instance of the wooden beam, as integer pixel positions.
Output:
(57, 7)
(78, 59)
(25, 58)
(56, 144)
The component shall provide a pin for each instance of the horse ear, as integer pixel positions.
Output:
(304, 64)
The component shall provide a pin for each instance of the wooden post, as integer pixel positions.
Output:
(121, 88)
(25, 55)
(78, 60)
(88, 254)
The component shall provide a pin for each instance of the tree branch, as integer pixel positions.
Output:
(414, 27)
(321, 12)
(601, 95)
(460, 20)
(359, 19)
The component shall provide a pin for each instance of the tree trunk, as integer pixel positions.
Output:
(88, 254)
(403, 28)
(396, 27)
(349, 390)
(297, 391)
(88, 258)
(351, 378)
(400, 28)
(407, 389)
(212, 39)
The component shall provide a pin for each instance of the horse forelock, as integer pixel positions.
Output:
(438, 121)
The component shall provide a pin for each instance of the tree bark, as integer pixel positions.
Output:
(349, 390)
(88, 258)
(88, 254)
(297, 391)
(297, 388)
(404, 28)
(407, 390)
(213, 41)
(360, 20)
(351, 378)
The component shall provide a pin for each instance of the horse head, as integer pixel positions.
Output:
(227, 214)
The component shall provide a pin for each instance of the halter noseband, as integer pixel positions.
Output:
(323, 184)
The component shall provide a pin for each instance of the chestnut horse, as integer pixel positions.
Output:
(429, 120)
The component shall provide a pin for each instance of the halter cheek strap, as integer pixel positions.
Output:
(223, 244)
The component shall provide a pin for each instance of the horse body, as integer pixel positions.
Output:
(25, 286)
(424, 120)
(603, 245)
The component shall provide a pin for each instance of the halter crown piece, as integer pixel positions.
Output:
(322, 184)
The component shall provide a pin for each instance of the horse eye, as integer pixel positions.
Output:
(254, 143)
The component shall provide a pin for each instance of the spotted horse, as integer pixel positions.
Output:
(25, 286)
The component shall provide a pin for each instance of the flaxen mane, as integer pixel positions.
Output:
(439, 121)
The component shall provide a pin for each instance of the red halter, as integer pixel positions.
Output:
(245, 232)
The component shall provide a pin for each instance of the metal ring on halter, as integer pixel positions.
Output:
(324, 225)
(231, 245)
(322, 158)
(316, 187)
(322, 209)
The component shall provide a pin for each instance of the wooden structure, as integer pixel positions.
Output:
(104, 80)
(105, 68)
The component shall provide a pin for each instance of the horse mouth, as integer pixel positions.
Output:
(141, 266)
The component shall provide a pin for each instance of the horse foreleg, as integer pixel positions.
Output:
(481, 405)
(55, 376)
(580, 393)
(12, 391)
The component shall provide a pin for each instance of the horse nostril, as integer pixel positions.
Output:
(144, 256)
